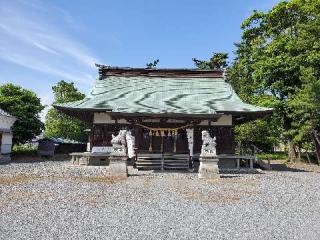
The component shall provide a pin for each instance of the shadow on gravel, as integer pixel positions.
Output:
(173, 171)
(35, 159)
(280, 167)
(162, 172)
(224, 176)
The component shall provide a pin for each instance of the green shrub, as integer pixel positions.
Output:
(23, 149)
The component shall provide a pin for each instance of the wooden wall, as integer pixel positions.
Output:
(224, 138)
(101, 136)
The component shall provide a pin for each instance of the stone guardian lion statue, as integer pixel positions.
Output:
(208, 144)
(119, 143)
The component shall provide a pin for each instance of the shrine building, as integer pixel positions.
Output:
(166, 110)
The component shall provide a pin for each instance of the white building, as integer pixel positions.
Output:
(6, 122)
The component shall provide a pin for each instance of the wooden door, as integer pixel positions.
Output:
(168, 144)
(182, 142)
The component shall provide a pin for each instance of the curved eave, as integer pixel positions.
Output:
(243, 117)
(65, 108)
(86, 114)
(249, 113)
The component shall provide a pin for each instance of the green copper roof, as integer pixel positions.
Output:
(158, 95)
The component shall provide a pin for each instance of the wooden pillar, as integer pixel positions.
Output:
(92, 133)
(161, 143)
(190, 136)
(162, 157)
(251, 163)
(238, 163)
(162, 161)
(175, 143)
(150, 141)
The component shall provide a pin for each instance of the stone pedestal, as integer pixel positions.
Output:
(208, 158)
(208, 168)
(118, 166)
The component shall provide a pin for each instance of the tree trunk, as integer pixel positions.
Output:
(291, 152)
(316, 142)
(299, 153)
(308, 157)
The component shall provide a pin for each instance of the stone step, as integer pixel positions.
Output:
(171, 161)
(176, 160)
(148, 164)
(175, 168)
(149, 168)
(149, 160)
(159, 156)
(159, 166)
(166, 160)
(165, 163)
(176, 165)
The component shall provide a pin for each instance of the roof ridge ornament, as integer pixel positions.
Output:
(105, 71)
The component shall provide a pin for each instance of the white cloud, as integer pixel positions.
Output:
(44, 48)
(30, 39)
(39, 65)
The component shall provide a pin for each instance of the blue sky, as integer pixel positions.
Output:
(42, 42)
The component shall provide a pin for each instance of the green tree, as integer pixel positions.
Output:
(257, 132)
(59, 125)
(26, 107)
(152, 65)
(278, 50)
(217, 61)
(305, 112)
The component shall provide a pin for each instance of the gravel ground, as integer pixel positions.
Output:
(51, 200)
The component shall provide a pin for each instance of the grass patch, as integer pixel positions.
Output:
(4, 180)
(8, 180)
(283, 156)
(273, 156)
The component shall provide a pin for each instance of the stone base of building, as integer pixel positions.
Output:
(118, 166)
(208, 168)
(88, 158)
(5, 159)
